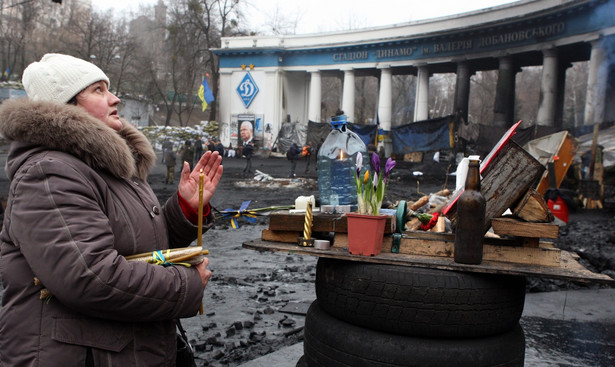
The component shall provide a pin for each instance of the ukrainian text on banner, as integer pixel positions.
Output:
(422, 136)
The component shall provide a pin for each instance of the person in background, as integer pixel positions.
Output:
(198, 149)
(166, 145)
(307, 154)
(230, 152)
(78, 204)
(315, 153)
(220, 148)
(293, 156)
(187, 153)
(170, 162)
(211, 145)
(247, 151)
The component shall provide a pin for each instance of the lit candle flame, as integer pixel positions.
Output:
(341, 155)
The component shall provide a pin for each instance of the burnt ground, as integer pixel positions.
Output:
(255, 302)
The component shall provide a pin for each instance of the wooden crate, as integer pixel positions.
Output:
(414, 157)
(283, 221)
(505, 180)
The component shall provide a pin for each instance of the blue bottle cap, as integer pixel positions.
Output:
(338, 121)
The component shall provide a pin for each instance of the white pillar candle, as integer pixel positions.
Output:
(301, 202)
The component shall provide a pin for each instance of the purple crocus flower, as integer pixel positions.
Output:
(376, 162)
(388, 167)
(375, 181)
(359, 163)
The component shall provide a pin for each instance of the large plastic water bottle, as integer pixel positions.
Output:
(336, 162)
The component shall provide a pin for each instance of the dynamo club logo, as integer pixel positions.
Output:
(247, 90)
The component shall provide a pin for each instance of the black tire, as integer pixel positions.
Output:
(419, 301)
(331, 342)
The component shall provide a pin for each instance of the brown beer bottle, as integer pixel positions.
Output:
(471, 206)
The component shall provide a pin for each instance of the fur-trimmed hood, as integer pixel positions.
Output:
(126, 153)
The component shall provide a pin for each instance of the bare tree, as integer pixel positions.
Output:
(576, 88)
(527, 93)
(404, 92)
(212, 19)
(482, 96)
(331, 84)
(366, 98)
(279, 23)
(441, 95)
(18, 27)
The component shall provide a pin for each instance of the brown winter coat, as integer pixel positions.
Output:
(78, 203)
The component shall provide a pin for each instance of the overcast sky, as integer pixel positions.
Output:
(332, 15)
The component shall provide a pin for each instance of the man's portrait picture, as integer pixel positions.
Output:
(246, 131)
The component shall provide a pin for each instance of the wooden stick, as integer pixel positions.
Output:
(419, 203)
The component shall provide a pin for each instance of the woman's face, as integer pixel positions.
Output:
(100, 103)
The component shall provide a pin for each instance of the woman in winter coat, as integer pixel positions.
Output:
(78, 204)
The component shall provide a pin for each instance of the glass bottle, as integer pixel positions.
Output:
(336, 162)
(469, 233)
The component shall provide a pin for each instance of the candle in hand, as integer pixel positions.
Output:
(307, 226)
(200, 220)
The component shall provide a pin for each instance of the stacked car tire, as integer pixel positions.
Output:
(370, 314)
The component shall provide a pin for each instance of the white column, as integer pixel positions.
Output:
(224, 105)
(596, 85)
(274, 87)
(315, 98)
(421, 104)
(348, 94)
(385, 106)
(548, 89)
(385, 101)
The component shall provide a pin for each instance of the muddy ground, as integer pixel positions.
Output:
(255, 302)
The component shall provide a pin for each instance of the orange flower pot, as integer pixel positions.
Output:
(365, 233)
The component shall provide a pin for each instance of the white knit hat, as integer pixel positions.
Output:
(60, 77)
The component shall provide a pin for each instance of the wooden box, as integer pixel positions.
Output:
(505, 180)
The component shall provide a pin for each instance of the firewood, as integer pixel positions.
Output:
(440, 225)
(419, 203)
(533, 208)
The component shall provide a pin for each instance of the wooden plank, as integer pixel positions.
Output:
(450, 237)
(569, 268)
(413, 224)
(445, 247)
(322, 222)
(280, 236)
(540, 256)
(515, 227)
(533, 208)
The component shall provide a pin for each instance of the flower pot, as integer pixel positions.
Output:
(365, 233)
